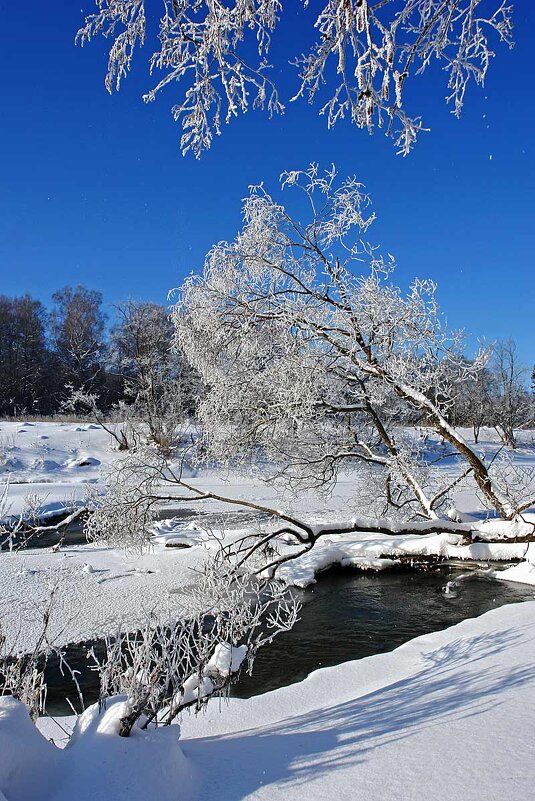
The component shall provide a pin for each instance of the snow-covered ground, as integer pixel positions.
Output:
(100, 589)
(447, 715)
(52, 461)
(56, 462)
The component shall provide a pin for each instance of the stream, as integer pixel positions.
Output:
(346, 615)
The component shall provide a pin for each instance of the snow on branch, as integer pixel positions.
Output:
(358, 67)
(314, 359)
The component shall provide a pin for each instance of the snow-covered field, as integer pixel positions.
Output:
(57, 462)
(53, 461)
(447, 715)
(100, 588)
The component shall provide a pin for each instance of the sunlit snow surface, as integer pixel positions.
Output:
(448, 715)
(100, 588)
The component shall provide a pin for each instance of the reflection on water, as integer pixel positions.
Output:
(349, 615)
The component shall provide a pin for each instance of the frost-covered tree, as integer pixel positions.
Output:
(473, 405)
(359, 66)
(160, 387)
(511, 402)
(313, 358)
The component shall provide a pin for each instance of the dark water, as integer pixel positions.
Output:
(349, 615)
(346, 615)
(73, 534)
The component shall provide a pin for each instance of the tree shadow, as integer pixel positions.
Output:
(453, 685)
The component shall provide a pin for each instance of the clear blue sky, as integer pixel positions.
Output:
(93, 189)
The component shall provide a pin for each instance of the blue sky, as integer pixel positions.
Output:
(93, 189)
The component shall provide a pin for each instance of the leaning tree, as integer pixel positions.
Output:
(315, 359)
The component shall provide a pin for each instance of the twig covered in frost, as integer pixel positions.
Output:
(358, 67)
(18, 532)
(23, 675)
(172, 665)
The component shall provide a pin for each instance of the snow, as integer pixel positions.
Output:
(506, 529)
(102, 588)
(98, 765)
(99, 589)
(444, 716)
(379, 552)
(301, 571)
(447, 715)
(492, 529)
(20, 741)
(53, 461)
(54, 499)
(523, 573)
(174, 533)
(82, 461)
(226, 659)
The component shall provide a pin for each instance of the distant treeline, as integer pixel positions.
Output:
(45, 356)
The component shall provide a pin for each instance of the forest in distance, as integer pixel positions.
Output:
(47, 357)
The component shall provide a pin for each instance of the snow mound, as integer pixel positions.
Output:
(82, 461)
(28, 762)
(45, 465)
(9, 464)
(506, 529)
(98, 764)
(173, 532)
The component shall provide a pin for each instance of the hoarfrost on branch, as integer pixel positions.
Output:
(358, 67)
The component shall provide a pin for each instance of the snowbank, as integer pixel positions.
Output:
(524, 572)
(379, 552)
(447, 715)
(98, 765)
